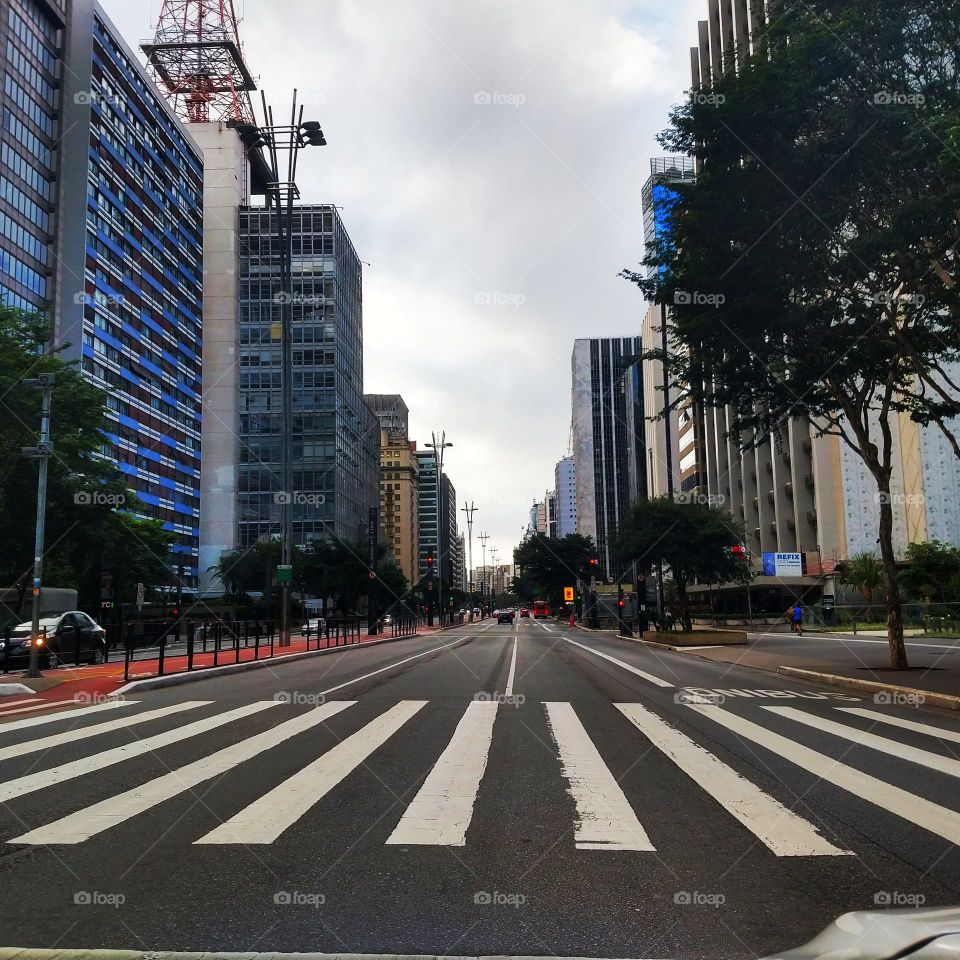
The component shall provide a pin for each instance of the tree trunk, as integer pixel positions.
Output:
(898, 651)
(683, 606)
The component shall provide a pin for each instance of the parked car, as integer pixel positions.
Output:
(68, 635)
(313, 627)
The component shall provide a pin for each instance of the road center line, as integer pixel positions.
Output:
(513, 668)
(625, 666)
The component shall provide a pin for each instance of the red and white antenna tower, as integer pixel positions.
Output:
(198, 61)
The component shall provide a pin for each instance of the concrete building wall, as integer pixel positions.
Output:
(225, 190)
(565, 479)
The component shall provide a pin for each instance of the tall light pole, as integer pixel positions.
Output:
(495, 558)
(470, 509)
(42, 452)
(438, 446)
(281, 144)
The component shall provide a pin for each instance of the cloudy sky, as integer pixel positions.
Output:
(488, 156)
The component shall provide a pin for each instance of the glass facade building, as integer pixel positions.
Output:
(336, 436)
(130, 283)
(32, 38)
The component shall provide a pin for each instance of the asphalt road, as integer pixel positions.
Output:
(497, 790)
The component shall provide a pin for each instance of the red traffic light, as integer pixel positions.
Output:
(594, 561)
(429, 559)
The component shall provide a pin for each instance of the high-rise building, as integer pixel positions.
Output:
(33, 38)
(399, 503)
(552, 521)
(428, 505)
(130, 268)
(336, 436)
(565, 480)
(603, 436)
(392, 413)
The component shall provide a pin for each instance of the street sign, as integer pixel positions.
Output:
(568, 594)
(285, 573)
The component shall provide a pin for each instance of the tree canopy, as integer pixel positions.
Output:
(548, 564)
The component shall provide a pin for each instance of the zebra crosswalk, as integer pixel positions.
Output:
(440, 808)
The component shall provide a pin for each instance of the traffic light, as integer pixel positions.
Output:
(594, 562)
(430, 562)
(642, 588)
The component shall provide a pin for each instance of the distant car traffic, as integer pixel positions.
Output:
(314, 626)
(504, 616)
(541, 610)
(524, 612)
(64, 638)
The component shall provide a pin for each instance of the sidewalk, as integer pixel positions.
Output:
(934, 663)
(69, 686)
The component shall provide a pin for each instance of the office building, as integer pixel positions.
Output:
(392, 413)
(130, 269)
(552, 523)
(603, 436)
(33, 37)
(336, 437)
(565, 480)
(399, 503)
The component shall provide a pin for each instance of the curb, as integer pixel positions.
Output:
(175, 679)
(927, 698)
(14, 689)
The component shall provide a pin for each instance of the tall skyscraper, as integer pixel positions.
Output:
(33, 37)
(337, 437)
(603, 436)
(429, 505)
(130, 271)
(392, 412)
(565, 480)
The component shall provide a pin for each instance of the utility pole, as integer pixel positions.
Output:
(42, 452)
(470, 509)
(495, 559)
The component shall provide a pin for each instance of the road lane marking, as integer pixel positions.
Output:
(69, 714)
(391, 666)
(440, 813)
(911, 807)
(513, 668)
(77, 768)
(842, 639)
(275, 812)
(99, 817)
(625, 666)
(781, 830)
(606, 820)
(913, 725)
(892, 748)
(17, 703)
(82, 733)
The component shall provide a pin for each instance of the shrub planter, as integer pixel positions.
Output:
(698, 638)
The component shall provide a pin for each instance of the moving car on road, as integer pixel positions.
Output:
(65, 638)
(524, 612)
(505, 616)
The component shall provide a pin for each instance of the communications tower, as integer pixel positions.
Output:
(197, 59)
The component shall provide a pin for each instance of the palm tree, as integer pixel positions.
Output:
(863, 572)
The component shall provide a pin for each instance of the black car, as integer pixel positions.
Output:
(505, 616)
(67, 637)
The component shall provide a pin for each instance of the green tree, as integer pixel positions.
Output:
(694, 541)
(932, 570)
(863, 572)
(811, 269)
(547, 565)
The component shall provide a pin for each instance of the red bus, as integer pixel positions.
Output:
(540, 610)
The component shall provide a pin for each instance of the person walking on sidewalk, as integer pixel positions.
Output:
(795, 616)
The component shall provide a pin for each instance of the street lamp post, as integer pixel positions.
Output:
(495, 559)
(484, 537)
(283, 142)
(470, 509)
(438, 446)
(42, 452)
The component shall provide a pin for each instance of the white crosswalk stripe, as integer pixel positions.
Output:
(83, 733)
(892, 748)
(264, 820)
(441, 812)
(444, 807)
(65, 715)
(77, 768)
(102, 816)
(785, 833)
(606, 820)
(910, 806)
(636, 671)
(914, 726)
